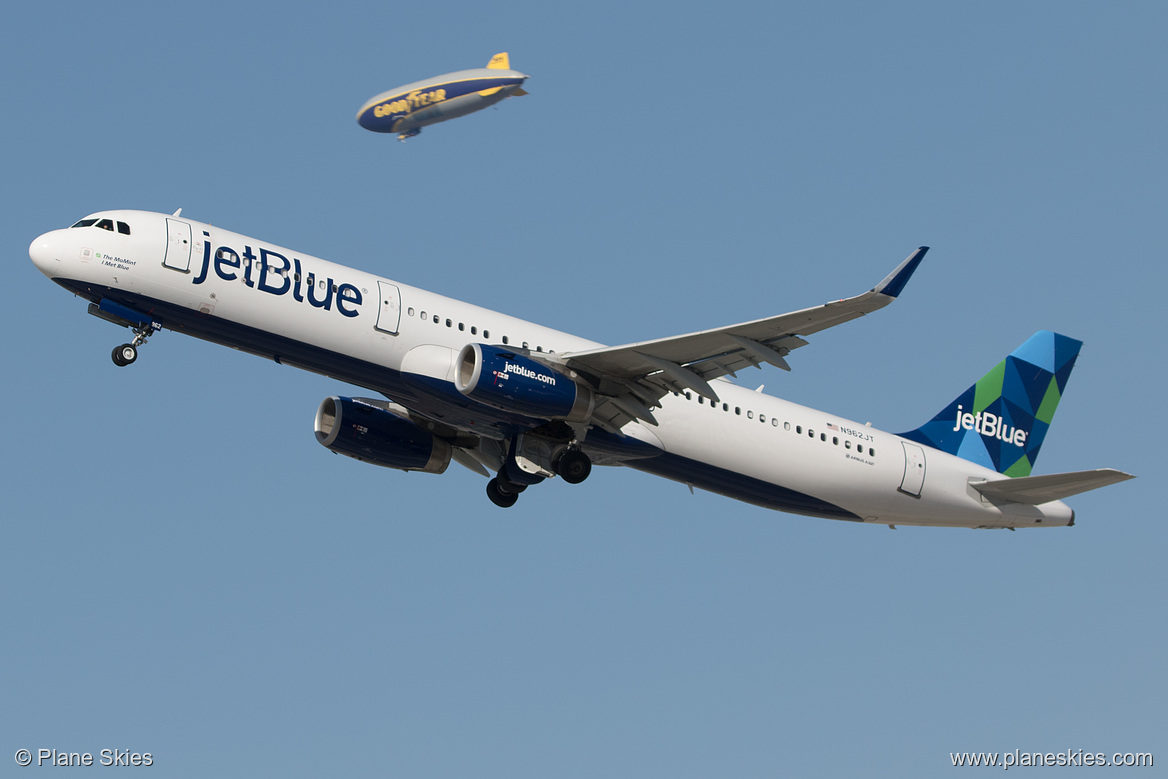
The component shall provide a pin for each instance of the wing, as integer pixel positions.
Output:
(632, 378)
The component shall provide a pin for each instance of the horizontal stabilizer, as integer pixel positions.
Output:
(1034, 490)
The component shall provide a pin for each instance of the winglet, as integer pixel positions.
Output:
(500, 62)
(894, 282)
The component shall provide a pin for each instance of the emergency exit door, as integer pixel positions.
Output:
(388, 308)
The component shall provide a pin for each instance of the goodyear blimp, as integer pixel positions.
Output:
(407, 109)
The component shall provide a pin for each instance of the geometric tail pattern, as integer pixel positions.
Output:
(1001, 421)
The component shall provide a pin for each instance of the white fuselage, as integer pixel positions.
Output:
(402, 341)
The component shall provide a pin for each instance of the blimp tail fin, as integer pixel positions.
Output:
(500, 62)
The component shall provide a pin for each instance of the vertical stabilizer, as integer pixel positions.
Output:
(500, 62)
(1001, 421)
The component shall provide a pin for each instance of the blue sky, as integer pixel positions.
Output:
(187, 573)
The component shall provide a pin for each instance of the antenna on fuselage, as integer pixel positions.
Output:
(176, 213)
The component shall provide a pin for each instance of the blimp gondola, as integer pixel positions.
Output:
(407, 109)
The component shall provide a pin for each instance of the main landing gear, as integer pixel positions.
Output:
(503, 493)
(126, 353)
(571, 465)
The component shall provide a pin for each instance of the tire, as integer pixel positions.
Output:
(501, 497)
(124, 355)
(573, 466)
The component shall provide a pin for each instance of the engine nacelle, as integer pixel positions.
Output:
(365, 431)
(506, 380)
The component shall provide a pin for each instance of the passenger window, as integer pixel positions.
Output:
(750, 415)
(474, 330)
(461, 326)
(449, 323)
(823, 437)
(486, 334)
(847, 444)
(835, 441)
(762, 418)
(506, 340)
(409, 310)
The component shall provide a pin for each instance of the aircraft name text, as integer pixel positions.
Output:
(119, 263)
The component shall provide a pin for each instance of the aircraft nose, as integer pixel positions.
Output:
(42, 252)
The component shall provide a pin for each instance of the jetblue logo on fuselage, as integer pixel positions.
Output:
(275, 274)
(990, 426)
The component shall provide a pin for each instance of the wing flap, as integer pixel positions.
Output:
(1033, 490)
(710, 354)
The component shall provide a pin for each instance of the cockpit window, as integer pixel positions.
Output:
(104, 224)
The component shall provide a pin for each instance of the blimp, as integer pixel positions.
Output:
(407, 109)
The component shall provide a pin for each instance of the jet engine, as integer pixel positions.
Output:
(366, 431)
(498, 377)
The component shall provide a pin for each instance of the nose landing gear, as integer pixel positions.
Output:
(124, 355)
(127, 353)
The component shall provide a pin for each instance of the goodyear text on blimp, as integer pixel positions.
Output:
(411, 102)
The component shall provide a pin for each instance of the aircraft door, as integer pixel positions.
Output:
(914, 470)
(178, 245)
(388, 308)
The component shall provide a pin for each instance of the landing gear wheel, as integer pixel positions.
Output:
(125, 354)
(573, 466)
(501, 494)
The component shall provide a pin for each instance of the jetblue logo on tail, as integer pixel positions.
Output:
(990, 426)
(1001, 421)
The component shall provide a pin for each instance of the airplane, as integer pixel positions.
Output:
(407, 109)
(519, 403)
